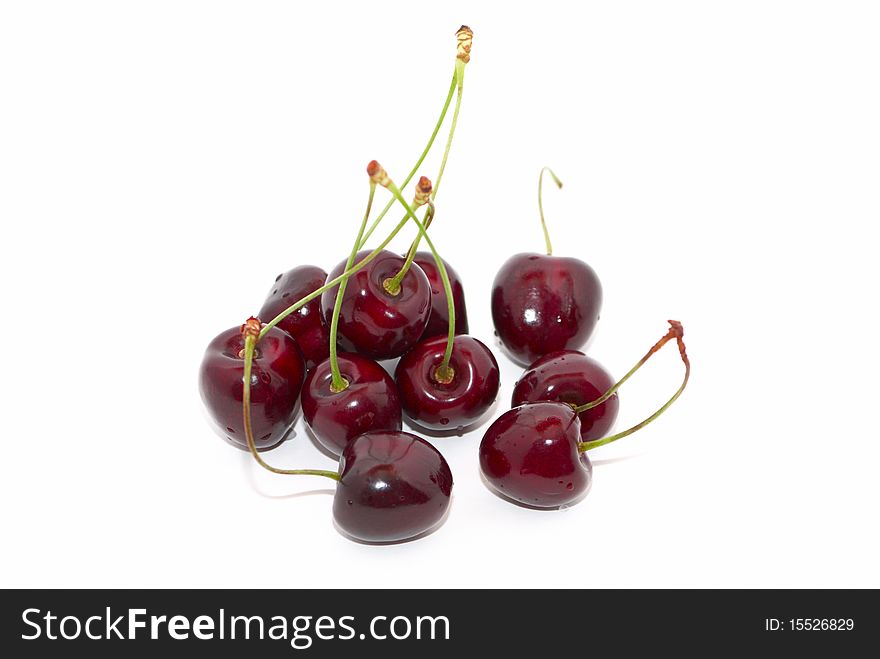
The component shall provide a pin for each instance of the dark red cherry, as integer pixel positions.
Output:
(530, 454)
(542, 303)
(568, 376)
(437, 404)
(276, 380)
(438, 322)
(393, 486)
(306, 324)
(370, 402)
(372, 322)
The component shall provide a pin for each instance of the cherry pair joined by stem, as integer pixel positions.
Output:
(534, 454)
(277, 378)
(543, 303)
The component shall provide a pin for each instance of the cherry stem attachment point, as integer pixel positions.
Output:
(541, 205)
(443, 372)
(422, 197)
(251, 332)
(676, 331)
(337, 382)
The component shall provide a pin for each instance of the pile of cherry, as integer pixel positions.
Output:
(327, 333)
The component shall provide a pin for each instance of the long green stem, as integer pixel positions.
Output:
(541, 205)
(421, 159)
(459, 76)
(443, 373)
(459, 70)
(675, 332)
(337, 382)
(250, 343)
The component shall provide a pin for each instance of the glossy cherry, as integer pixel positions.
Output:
(276, 380)
(541, 304)
(438, 322)
(568, 376)
(372, 321)
(534, 453)
(437, 403)
(393, 486)
(306, 324)
(370, 402)
(530, 454)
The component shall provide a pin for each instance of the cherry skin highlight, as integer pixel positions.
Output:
(393, 486)
(438, 405)
(276, 380)
(541, 304)
(370, 402)
(568, 376)
(438, 322)
(530, 454)
(373, 322)
(306, 324)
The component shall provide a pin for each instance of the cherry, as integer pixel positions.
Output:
(439, 318)
(534, 453)
(276, 380)
(542, 303)
(461, 397)
(393, 486)
(307, 324)
(369, 402)
(568, 376)
(530, 454)
(372, 321)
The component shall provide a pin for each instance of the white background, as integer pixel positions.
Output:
(161, 162)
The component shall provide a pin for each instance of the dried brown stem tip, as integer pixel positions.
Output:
(377, 174)
(252, 327)
(677, 330)
(423, 191)
(465, 38)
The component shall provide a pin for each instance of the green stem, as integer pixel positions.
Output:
(676, 331)
(443, 373)
(541, 205)
(429, 216)
(393, 285)
(421, 159)
(337, 382)
(459, 72)
(250, 343)
(459, 80)
(613, 390)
